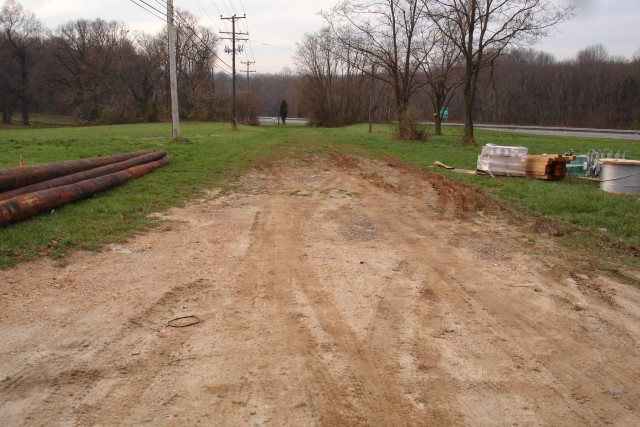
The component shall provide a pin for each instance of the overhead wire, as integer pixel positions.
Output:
(232, 7)
(161, 15)
(250, 55)
(216, 6)
(225, 6)
(248, 52)
(195, 33)
(271, 45)
(164, 4)
(214, 53)
(204, 11)
(162, 18)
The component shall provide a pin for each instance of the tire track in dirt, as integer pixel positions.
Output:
(127, 366)
(268, 324)
(148, 345)
(369, 385)
(332, 292)
(451, 279)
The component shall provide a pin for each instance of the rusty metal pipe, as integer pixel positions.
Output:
(81, 176)
(28, 205)
(21, 176)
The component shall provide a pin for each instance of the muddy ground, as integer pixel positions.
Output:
(327, 292)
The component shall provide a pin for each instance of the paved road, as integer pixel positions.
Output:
(575, 132)
(534, 130)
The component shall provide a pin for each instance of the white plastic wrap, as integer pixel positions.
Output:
(503, 160)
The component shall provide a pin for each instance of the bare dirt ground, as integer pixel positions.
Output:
(331, 292)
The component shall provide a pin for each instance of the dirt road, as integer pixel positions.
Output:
(330, 292)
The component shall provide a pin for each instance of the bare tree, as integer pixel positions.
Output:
(85, 54)
(318, 64)
(149, 84)
(390, 34)
(22, 33)
(196, 56)
(483, 29)
(332, 84)
(443, 72)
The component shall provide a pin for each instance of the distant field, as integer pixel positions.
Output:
(39, 121)
(212, 156)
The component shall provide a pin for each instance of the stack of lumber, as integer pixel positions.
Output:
(28, 191)
(550, 167)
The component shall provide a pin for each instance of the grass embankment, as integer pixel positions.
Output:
(209, 155)
(573, 200)
(212, 154)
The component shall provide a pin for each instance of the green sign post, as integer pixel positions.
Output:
(444, 113)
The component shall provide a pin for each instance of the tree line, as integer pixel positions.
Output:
(413, 45)
(96, 70)
(99, 71)
(375, 60)
(419, 56)
(524, 87)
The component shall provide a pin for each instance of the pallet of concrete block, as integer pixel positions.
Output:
(498, 160)
(550, 167)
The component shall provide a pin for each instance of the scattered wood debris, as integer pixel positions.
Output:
(439, 164)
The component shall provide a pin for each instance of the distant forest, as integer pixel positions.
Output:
(101, 72)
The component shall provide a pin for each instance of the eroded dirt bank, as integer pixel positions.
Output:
(330, 292)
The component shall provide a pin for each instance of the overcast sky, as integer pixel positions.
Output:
(276, 25)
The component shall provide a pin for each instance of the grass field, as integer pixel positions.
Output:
(211, 156)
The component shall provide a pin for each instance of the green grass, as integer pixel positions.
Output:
(574, 201)
(212, 156)
(588, 215)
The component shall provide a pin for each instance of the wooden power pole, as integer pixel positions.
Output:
(234, 38)
(173, 78)
(248, 64)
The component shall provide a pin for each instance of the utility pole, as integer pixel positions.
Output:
(173, 79)
(248, 64)
(234, 39)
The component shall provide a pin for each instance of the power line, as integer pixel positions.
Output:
(162, 18)
(225, 6)
(155, 12)
(204, 11)
(249, 71)
(216, 6)
(161, 12)
(252, 56)
(270, 45)
(150, 8)
(232, 7)
(186, 24)
(164, 4)
(234, 39)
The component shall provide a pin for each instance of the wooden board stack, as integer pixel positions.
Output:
(551, 167)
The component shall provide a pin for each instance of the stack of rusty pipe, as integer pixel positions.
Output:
(31, 190)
